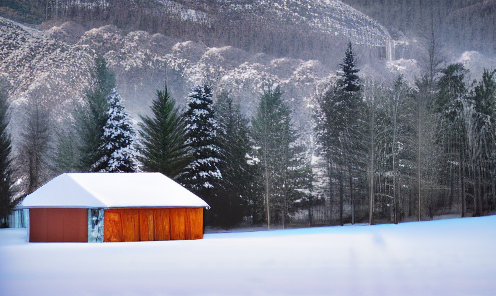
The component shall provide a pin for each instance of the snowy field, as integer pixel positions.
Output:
(443, 257)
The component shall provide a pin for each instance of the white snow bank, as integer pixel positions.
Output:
(444, 257)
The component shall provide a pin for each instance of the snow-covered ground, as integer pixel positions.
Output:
(443, 257)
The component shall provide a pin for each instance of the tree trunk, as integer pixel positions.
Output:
(371, 174)
(341, 193)
(352, 201)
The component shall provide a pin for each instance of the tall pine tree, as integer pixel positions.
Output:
(235, 190)
(7, 204)
(202, 175)
(341, 128)
(163, 141)
(91, 117)
(277, 151)
(451, 131)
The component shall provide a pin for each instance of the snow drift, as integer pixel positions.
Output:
(444, 257)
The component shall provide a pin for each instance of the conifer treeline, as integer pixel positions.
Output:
(460, 24)
(399, 152)
(388, 152)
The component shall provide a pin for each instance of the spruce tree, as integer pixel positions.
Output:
(202, 175)
(451, 135)
(274, 136)
(117, 140)
(349, 80)
(91, 117)
(7, 204)
(480, 125)
(235, 190)
(341, 128)
(163, 142)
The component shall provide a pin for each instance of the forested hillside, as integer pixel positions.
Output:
(270, 122)
(459, 24)
(299, 29)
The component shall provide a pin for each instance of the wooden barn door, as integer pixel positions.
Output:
(194, 223)
(58, 225)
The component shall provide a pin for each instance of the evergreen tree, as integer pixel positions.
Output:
(341, 128)
(277, 151)
(7, 203)
(349, 80)
(235, 190)
(65, 156)
(449, 105)
(427, 151)
(202, 175)
(91, 117)
(480, 126)
(117, 140)
(163, 142)
(395, 143)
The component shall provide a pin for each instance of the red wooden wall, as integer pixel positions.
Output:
(58, 225)
(149, 224)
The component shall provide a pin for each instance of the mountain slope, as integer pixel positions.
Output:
(305, 29)
(50, 67)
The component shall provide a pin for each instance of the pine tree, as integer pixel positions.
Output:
(117, 141)
(341, 128)
(91, 117)
(480, 125)
(163, 142)
(202, 174)
(451, 131)
(65, 156)
(349, 81)
(7, 203)
(237, 175)
(427, 152)
(275, 137)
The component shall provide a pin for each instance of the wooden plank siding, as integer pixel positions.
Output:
(194, 223)
(58, 225)
(146, 224)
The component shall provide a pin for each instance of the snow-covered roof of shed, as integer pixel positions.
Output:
(112, 190)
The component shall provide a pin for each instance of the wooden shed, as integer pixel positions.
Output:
(113, 207)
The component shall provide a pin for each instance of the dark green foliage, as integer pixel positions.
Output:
(91, 117)
(349, 81)
(481, 139)
(484, 95)
(341, 128)
(7, 203)
(451, 90)
(280, 162)
(163, 142)
(235, 190)
(65, 153)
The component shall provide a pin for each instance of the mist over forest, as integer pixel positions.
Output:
(287, 113)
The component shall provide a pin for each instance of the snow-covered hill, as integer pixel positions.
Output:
(443, 257)
(54, 66)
